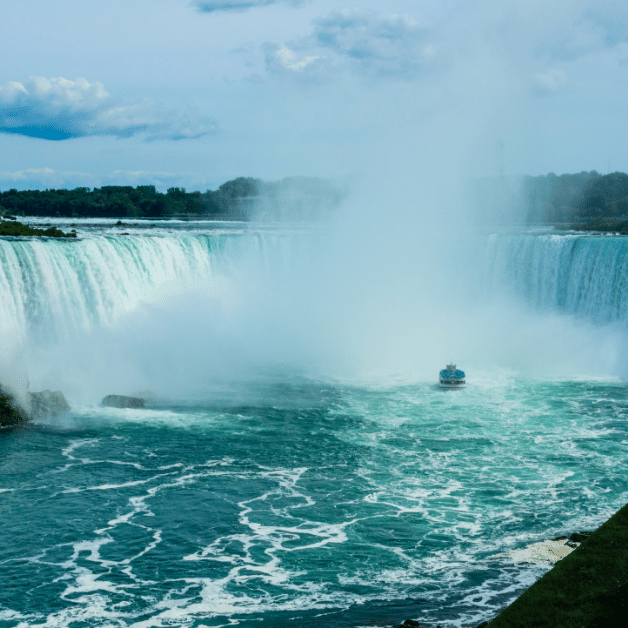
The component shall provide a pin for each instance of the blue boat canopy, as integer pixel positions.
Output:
(445, 374)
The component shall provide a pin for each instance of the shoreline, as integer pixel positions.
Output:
(588, 588)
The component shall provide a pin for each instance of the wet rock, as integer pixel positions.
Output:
(18, 409)
(10, 412)
(121, 401)
(578, 537)
(47, 403)
(574, 539)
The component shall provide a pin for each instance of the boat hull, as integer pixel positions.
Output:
(452, 385)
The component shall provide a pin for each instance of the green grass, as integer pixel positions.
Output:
(586, 589)
(15, 228)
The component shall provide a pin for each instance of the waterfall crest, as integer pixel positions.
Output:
(51, 288)
(250, 298)
(583, 276)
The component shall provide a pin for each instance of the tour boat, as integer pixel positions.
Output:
(451, 377)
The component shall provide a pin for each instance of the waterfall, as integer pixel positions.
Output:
(583, 276)
(248, 298)
(50, 289)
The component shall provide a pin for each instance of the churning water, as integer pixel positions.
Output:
(254, 491)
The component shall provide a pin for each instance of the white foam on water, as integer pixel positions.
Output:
(212, 599)
(75, 444)
(543, 553)
(9, 615)
(109, 487)
(95, 609)
(406, 472)
(117, 317)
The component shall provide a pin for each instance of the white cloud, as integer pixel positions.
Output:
(43, 178)
(305, 68)
(58, 109)
(395, 45)
(526, 37)
(551, 82)
(351, 40)
(211, 6)
(289, 60)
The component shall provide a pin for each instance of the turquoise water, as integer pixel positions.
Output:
(255, 492)
(311, 504)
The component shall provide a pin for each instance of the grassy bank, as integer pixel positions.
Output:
(15, 228)
(587, 589)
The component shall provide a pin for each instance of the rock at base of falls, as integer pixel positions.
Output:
(47, 403)
(18, 409)
(120, 401)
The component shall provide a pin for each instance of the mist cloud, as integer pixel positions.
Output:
(59, 109)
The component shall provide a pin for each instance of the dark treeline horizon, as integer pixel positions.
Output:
(237, 199)
(550, 198)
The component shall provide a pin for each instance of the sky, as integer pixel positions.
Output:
(192, 93)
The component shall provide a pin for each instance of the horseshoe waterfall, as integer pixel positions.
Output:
(296, 463)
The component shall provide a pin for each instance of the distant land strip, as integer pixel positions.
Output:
(567, 199)
(239, 199)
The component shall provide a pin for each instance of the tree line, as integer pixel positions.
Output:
(553, 198)
(548, 198)
(238, 199)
